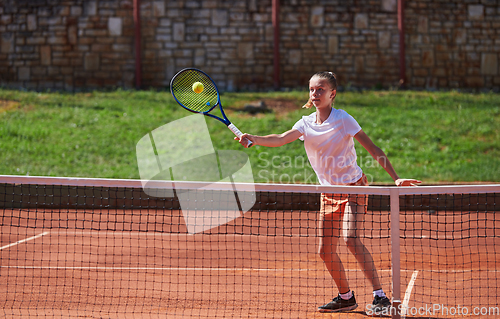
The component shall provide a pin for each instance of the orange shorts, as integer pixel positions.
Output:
(333, 205)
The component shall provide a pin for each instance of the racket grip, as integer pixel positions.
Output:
(238, 133)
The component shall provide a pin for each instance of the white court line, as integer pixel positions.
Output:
(406, 299)
(454, 271)
(219, 269)
(111, 233)
(171, 268)
(24, 240)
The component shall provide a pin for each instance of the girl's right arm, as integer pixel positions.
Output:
(272, 140)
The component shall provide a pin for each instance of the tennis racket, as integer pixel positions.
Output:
(183, 87)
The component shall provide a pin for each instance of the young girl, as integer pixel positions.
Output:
(328, 139)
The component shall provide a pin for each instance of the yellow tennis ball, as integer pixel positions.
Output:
(198, 87)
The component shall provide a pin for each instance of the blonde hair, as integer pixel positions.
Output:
(330, 77)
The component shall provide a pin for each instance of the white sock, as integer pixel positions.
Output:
(346, 296)
(379, 293)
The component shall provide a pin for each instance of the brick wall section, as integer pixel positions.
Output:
(75, 44)
(358, 43)
(453, 44)
(66, 44)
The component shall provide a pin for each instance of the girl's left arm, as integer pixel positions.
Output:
(382, 159)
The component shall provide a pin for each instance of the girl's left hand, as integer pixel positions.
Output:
(407, 182)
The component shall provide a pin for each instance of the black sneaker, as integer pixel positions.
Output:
(380, 304)
(338, 304)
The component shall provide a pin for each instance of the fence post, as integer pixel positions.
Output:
(395, 253)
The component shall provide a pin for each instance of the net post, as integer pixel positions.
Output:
(395, 254)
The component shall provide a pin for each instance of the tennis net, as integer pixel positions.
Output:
(109, 248)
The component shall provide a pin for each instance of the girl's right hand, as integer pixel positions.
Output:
(244, 138)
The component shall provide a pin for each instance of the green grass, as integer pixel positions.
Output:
(433, 136)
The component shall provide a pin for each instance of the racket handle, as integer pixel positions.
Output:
(238, 133)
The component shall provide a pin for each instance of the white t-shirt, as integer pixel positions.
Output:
(330, 147)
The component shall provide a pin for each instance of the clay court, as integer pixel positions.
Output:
(143, 264)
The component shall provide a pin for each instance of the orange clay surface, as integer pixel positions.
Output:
(143, 264)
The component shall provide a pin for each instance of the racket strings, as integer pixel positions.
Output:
(182, 89)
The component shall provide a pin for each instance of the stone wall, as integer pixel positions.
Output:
(453, 44)
(77, 44)
(66, 44)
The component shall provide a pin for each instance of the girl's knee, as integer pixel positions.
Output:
(351, 241)
(322, 252)
(326, 254)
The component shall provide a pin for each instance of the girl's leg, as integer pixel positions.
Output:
(353, 217)
(329, 234)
